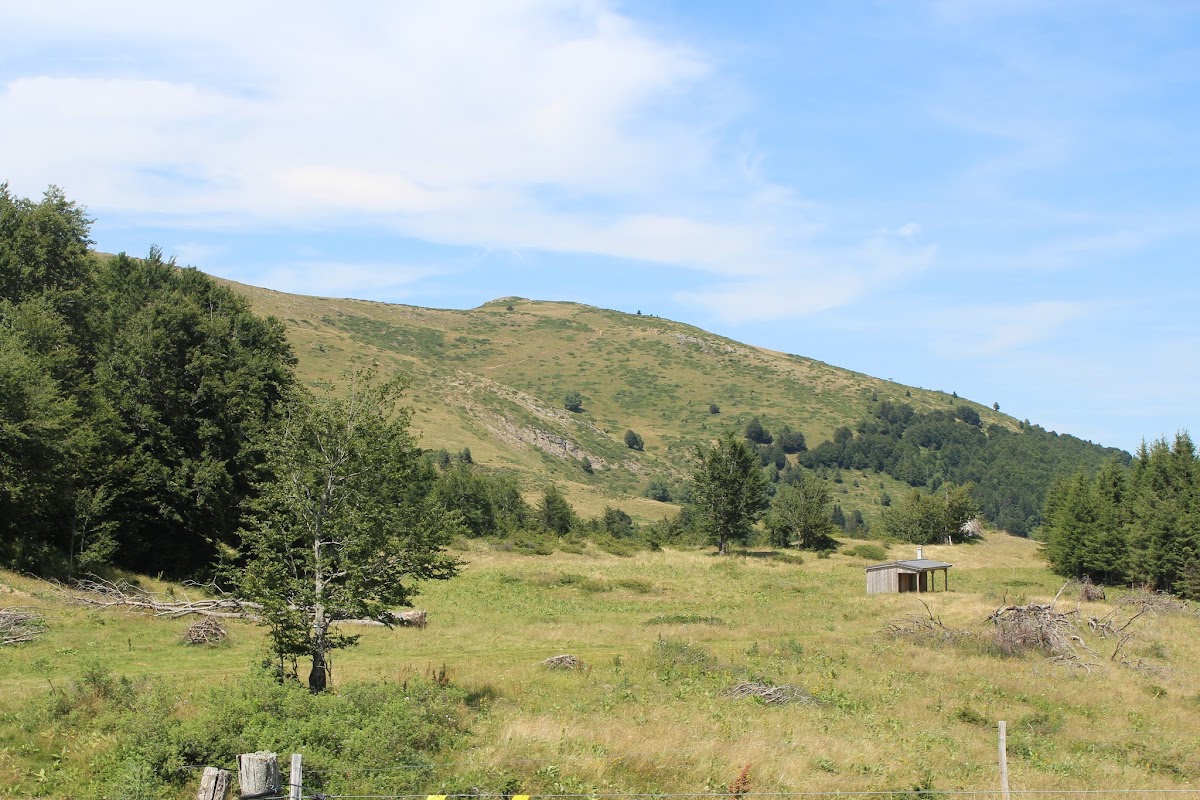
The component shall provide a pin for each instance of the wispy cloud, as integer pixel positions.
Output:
(815, 284)
(553, 125)
(978, 331)
(384, 281)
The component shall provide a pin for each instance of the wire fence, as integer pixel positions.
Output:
(917, 794)
(897, 794)
(732, 793)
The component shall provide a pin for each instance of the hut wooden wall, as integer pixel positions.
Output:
(883, 581)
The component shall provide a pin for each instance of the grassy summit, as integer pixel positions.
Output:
(493, 379)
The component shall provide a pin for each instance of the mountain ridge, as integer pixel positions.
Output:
(492, 379)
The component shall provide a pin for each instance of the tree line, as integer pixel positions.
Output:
(1138, 523)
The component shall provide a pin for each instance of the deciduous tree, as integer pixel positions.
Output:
(801, 513)
(346, 523)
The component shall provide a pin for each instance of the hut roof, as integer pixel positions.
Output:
(915, 565)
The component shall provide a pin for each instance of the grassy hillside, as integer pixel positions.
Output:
(493, 379)
(664, 635)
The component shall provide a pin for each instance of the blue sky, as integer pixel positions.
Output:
(1000, 199)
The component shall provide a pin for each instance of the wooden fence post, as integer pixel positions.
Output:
(214, 784)
(258, 775)
(295, 778)
(1004, 760)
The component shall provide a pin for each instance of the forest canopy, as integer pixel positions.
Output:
(1009, 471)
(134, 394)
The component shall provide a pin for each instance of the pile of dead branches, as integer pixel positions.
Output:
(1154, 602)
(773, 695)
(1090, 592)
(1038, 627)
(18, 625)
(565, 661)
(207, 631)
(925, 628)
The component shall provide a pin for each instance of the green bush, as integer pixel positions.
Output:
(871, 552)
(150, 731)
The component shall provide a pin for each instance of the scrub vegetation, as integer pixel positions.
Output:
(109, 702)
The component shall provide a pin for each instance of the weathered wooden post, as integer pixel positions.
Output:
(1004, 760)
(214, 784)
(295, 778)
(258, 775)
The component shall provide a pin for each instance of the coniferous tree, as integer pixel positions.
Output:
(554, 512)
(729, 491)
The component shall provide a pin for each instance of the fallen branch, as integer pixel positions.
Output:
(96, 592)
(100, 593)
(1159, 602)
(923, 628)
(416, 618)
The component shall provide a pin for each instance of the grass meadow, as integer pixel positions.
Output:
(664, 635)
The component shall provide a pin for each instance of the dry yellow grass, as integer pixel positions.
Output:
(893, 713)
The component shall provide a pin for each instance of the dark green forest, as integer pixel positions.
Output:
(1008, 472)
(1138, 523)
(135, 397)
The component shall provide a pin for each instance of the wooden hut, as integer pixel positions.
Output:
(917, 575)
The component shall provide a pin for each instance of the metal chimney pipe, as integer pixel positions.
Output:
(920, 552)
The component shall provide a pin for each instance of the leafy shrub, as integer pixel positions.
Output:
(658, 489)
(360, 725)
(970, 716)
(143, 740)
(755, 432)
(871, 552)
(573, 401)
(633, 441)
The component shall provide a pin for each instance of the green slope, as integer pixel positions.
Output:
(493, 379)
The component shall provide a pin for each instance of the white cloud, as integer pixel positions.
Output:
(342, 279)
(972, 332)
(816, 284)
(555, 125)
